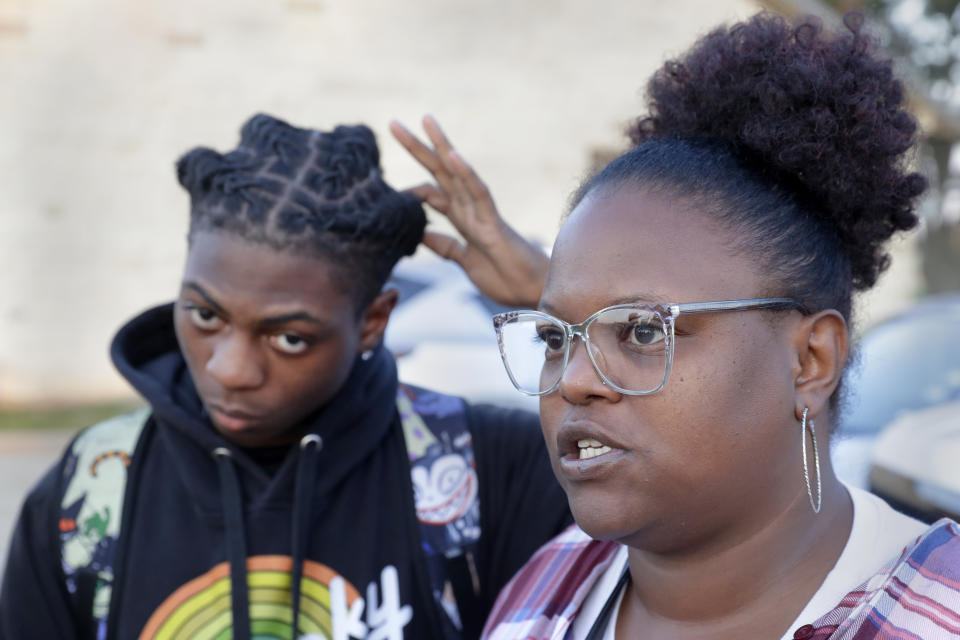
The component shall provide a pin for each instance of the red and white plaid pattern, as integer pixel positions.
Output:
(913, 597)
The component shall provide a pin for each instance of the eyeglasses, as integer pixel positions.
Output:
(631, 346)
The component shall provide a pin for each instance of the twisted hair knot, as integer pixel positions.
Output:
(307, 191)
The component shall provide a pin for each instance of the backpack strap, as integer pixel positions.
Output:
(94, 483)
(446, 496)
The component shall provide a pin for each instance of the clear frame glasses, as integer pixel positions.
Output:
(631, 346)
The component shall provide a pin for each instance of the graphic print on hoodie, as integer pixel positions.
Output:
(197, 523)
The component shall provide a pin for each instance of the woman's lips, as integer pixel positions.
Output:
(577, 468)
(586, 453)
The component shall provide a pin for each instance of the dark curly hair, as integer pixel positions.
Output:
(312, 192)
(794, 139)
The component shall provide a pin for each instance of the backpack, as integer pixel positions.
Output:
(442, 472)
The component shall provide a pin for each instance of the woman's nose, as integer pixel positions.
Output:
(236, 363)
(581, 382)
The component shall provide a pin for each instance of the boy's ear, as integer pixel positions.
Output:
(375, 318)
(821, 353)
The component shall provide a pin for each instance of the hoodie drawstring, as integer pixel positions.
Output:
(236, 542)
(302, 499)
(310, 446)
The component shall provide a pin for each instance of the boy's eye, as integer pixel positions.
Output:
(289, 343)
(205, 319)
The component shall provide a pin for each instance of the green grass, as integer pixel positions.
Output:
(69, 418)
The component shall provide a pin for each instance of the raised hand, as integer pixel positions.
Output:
(502, 264)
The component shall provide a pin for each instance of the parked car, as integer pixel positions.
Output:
(916, 463)
(908, 363)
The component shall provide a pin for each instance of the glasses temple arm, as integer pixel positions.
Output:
(739, 305)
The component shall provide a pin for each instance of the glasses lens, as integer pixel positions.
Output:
(532, 347)
(630, 347)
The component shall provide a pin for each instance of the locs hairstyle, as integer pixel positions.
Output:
(794, 139)
(310, 192)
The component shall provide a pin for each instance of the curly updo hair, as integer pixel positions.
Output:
(794, 139)
(310, 192)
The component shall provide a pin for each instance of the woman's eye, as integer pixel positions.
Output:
(205, 319)
(552, 337)
(289, 343)
(645, 333)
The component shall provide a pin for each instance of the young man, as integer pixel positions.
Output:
(281, 483)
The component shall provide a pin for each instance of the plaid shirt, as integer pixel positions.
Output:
(913, 597)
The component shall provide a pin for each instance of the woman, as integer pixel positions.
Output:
(279, 461)
(689, 347)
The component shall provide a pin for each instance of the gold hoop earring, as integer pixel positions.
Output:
(816, 459)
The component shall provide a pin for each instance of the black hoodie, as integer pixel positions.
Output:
(341, 515)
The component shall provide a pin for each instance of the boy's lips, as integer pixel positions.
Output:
(230, 418)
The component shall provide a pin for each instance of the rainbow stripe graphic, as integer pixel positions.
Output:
(200, 609)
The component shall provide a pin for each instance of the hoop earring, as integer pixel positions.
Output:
(816, 459)
(366, 355)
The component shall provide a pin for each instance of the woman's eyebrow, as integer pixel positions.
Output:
(189, 284)
(636, 297)
(639, 297)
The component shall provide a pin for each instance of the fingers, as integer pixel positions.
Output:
(471, 181)
(453, 161)
(432, 195)
(421, 152)
(445, 246)
(429, 158)
(462, 194)
(465, 180)
(435, 160)
(448, 179)
(439, 139)
(425, 191)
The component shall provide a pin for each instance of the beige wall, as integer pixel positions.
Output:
(99, 97)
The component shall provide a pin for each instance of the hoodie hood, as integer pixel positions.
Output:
(353, 424)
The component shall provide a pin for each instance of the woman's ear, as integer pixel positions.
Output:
(374, 320)
(821, 348)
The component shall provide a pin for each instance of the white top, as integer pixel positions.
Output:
(878, 534)
(598, 596)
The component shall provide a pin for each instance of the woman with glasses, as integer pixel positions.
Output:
(688, 348)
